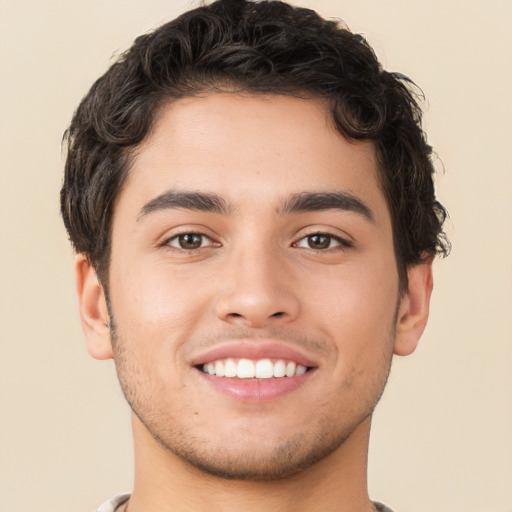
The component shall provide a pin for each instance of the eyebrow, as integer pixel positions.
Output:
(319, 201)
(198, 201)
(296, 203)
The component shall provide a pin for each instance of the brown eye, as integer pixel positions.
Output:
(322, 242)
(189, 241)
(319, 241)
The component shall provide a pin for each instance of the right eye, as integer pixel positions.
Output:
(190, 241)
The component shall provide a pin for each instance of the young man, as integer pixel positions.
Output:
(250, 198)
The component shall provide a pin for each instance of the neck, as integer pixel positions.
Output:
(163, 482)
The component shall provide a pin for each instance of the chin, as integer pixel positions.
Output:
(283, 462)
(256, 460)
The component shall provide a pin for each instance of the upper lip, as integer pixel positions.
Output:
(250, 349)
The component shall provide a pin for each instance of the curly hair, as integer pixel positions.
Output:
(256, 47)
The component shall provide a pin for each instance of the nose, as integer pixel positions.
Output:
(258, 291)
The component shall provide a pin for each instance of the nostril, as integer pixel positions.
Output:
(279, 313)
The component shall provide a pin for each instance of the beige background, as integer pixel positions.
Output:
(442, 434)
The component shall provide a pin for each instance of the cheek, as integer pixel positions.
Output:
(152, 323)
(356, 311)
(362, 297)
(162, 299)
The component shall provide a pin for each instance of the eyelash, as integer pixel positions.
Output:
(177, 237)
(341, 242)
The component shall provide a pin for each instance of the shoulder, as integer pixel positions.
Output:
(112, 503)
(380, 507)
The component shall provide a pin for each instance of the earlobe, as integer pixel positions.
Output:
(414, 308)
(93, 309)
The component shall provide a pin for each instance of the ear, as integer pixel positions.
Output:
(93, 309)
(414, 308)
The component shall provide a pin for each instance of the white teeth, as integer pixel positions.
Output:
(247, 369)
(264, 369)
(230, 368)
(280, 369)
(290, 369)
(300, 370)
(219, 369)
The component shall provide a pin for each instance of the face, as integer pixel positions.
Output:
(253, 285)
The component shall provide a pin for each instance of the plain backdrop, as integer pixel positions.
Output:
(442, 433)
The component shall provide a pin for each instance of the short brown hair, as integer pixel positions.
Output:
(258, 47)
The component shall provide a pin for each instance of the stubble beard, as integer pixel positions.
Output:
(287, 457)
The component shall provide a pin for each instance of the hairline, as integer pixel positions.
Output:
(230, 86)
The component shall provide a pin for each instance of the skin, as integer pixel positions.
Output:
(257, 276)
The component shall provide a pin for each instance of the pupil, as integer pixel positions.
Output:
(190, 241)
(319, 241)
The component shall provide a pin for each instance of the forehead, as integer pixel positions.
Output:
(250, 149)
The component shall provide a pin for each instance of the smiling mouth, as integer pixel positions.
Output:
(253, 369)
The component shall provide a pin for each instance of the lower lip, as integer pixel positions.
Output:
(256, 390)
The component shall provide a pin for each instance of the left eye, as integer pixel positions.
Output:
(189, 241)
(319, 241)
